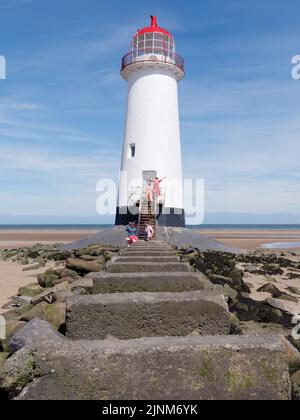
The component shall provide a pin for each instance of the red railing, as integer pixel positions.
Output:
(155, 54)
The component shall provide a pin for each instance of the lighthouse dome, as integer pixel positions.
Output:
(153, 45)
(154, 39)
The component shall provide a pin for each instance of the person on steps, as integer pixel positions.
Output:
(132, 234)
(149, 231)
(156, 187)
(149, 192)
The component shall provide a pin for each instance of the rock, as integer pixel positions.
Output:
(190, 257)
(30, 290)
(69, 273)
(168, 368)
(48, 294)
(295, 379)
(3, 357)
(270, 288)
(284, 296)
(49, 278)
(294, 290)
(255, 328)
(61, 296)
(282, 305)
(237, 276)
(215, 263)
(40, 260)
(12, 327)
(135, 315)
(272, 269)
(84, 267)
(252, 269)
(235, 281)
(85, 283)
(250, 310)
(33, 334)
(54, 314)
(293, 355)
(231, 293)
(34, 266)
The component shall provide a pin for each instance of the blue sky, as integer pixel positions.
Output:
(62, 107)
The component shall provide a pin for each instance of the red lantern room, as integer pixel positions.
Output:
(153, 44)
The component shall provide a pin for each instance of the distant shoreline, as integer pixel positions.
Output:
(242, 238)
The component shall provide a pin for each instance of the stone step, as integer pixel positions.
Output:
(129, 267)
(153, 243)
(147, 246)
(192, 368)
(134, 252)
(148, 282)
(146, 259)
(134, 315)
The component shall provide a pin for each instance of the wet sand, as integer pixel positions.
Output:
(252, 239)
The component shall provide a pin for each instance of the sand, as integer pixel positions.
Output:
(250, 239)
(12, 278)
(27, 238)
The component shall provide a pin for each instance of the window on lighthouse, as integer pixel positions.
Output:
(131, 151)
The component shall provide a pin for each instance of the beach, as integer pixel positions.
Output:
(250, 239)
(18, 238)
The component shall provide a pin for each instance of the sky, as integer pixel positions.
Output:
(62, 106)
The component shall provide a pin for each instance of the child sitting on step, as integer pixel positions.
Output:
(132, 234)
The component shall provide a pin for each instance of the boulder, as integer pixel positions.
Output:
(31, 290)
(83, 267)
(54, 314)
(191, 368)
(282, 305)
(270, 288)
(34, 333)
(295, 379)
(293, 355)
(48, 294)
(34, 266)
(65, 273)
(49, 279)
(3, 358)
(11, 328)
(294, 290)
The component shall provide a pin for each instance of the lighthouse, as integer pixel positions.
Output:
(152, 147)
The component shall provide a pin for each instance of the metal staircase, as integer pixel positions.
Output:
(147, 216)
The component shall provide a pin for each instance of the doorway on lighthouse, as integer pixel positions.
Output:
(147, 176)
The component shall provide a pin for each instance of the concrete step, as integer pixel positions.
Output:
(151, 259)
(154, 243)
(134, 315)
(133, 252)
(148, 247)
(148, 282)
(124, 267)
(192, 368)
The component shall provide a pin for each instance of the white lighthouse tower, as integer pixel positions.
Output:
(152, 132)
